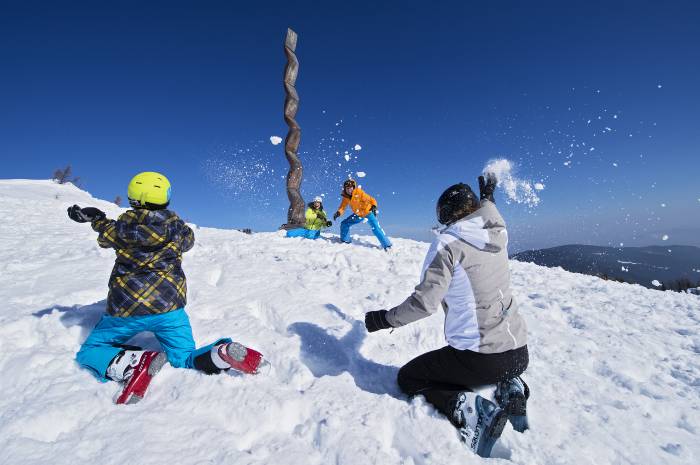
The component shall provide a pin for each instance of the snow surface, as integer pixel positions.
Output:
(614, 370)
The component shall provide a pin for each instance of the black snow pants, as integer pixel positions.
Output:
(441, 374)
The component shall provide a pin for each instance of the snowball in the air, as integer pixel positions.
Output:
(361, 174)
(275, 140)
(656, 283)
(347, 157)
(539, 186)
(358, 147)
(664, 237)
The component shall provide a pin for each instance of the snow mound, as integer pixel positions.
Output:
(614, 368)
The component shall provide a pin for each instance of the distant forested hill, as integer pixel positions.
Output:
(674, 267)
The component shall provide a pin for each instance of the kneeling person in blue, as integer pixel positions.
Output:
(316, 220)
(364, 208)
(147, 292)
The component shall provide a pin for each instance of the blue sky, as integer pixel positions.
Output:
(430, 90)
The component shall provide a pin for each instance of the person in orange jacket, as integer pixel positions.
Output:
(364, 208)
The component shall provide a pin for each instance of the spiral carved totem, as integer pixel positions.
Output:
(295, 215)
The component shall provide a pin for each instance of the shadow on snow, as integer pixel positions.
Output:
(87, 316)
(326, 355)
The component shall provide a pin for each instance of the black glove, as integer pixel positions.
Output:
(373, 209)
(83, 215)
(486, 187)
(337, 214)
(374, 321)
(329, 224)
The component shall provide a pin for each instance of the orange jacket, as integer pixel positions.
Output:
(360, 202)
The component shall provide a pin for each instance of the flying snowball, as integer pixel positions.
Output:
(664, 237)
(656, 283)
(516, 189)
(358, 147)
(347, 157)
(539, 186)
(276, 140)
(361, 174)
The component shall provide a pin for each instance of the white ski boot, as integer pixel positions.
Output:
(135, 369)
(479, 421)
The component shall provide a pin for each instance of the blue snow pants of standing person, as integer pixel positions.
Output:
(172, 329)
(303, 232)
(372, 220)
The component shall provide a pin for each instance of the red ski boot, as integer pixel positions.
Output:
(241, 358)
(140, 377)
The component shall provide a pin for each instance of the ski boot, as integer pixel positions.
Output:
(241, 358)
(511, 396)
(135, 368)
(479, 421)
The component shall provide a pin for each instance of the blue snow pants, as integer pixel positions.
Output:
(172, 329)
(303, 232)
(372, 220)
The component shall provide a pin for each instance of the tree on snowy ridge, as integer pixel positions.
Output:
(62, 176)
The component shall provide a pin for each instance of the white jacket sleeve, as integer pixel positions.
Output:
(429, 293)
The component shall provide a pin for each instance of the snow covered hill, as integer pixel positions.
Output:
(615, 371)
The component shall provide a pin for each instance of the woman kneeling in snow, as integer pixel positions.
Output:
(466, 271)
(316, 220)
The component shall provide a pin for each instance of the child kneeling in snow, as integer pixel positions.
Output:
(147, 292)
(316, 220)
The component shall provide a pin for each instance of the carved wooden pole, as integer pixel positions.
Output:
(295, 215)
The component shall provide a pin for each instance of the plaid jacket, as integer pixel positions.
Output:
(147, 277)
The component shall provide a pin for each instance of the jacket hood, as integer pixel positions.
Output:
(483, 229)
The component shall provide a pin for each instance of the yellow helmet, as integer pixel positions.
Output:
(149, 189)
